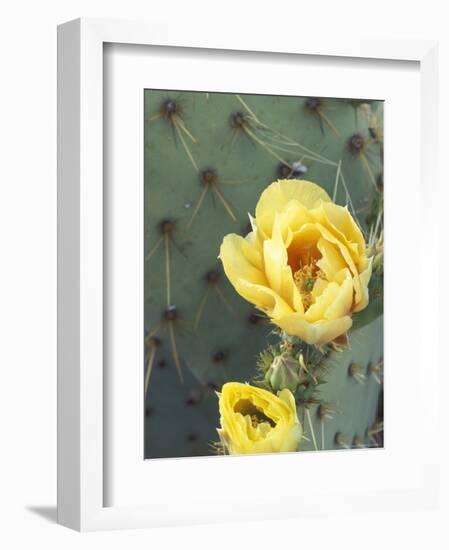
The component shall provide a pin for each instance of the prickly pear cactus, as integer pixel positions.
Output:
(208, 157)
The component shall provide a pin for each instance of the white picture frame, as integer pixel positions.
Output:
(81, 404)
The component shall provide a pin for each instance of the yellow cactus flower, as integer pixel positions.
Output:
(254, 420)
(304, 263)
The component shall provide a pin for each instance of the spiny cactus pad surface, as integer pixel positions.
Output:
(208, 157)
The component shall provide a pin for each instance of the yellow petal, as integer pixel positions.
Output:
(365, 277)
(290, 442)
(241, 264)
(331, 261)
(276, 197)
(342, 303)
(346, 255)
(262, 297)
(342, 225)
(318, 288)
(293, 216)
(277, 270)
(241, 436)
(334, 301)
(275, 261)
(313, 333)
(286, 396)
(241, 260)
(317, 310)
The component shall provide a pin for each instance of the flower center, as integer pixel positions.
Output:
(257, 416)
(305, 278)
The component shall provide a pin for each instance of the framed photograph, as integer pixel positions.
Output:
(306, 258)
(242, 296)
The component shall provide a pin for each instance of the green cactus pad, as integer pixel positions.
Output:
(222, 150)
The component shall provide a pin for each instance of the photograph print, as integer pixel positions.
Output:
(263, 273)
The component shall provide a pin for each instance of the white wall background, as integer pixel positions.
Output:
(28, 269)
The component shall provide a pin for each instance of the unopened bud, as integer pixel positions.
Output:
(284, 372)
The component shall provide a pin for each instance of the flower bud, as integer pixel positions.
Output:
(284, 372)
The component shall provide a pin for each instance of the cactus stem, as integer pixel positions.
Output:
(304, 367)
(224, 202)
(281, 139)
(186, 147)
(152, 342)
(224, 300)
(337, 179)
(375, 128)
(356, 145)
(211, 279)
(219, 356)
(175, 350)
(322, 434)
(255, 318)
(312, 432)
(374, 430)
(167, 268)
(362, 209)
(289, 149)
(149, 368)
(199, 312)
(374, 230)
(355, 372)
(153, 332)
(263, 144)
(326, 412)
(237, 182)
(356, 116)
(340, 440)
(375, 371)
(358, 442)
(243, 102)
(292, 152)
(209, 179)
(348, 195)
(377, 428)
(367, 168)
(315, 105)
(178, 120)
(327, 120)
(298, 169)
(153, 250)
(154, 117)
(171, 110)
(198, 205)
(234, 135)
(284, 170)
